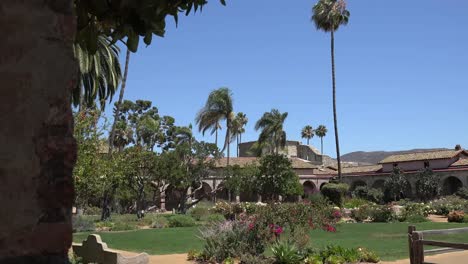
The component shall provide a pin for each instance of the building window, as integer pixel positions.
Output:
(426, 164)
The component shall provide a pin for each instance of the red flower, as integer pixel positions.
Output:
(330, 228)
(251, 226)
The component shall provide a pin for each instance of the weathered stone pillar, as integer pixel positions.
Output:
(163, 199)
(238, 199)
(38, 152)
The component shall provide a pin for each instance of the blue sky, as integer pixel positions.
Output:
(402, 70)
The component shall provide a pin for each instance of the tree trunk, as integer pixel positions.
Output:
(216, 134)
(119, 103)
(307, 141)
(237, 145)
(38, 73)
(321, 145)
(335, 121)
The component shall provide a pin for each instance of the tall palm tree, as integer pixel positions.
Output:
(321, 132)
(238, 128)
(307, 132)
(329, 15)
(119, 103)
(272, 133)
(218, 107)
(100, 73)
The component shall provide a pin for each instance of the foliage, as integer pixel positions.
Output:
(382, 214)
(456, 216)
(335, 192)
(181, 221)
(276, 177)
(219, 106)
(427, 185)
(82, 223)
(214, 218)
(332, 254)
(254, 259)
(462, 192)
(307, 132)
(272, 133)
(414, 212)
(195, 255)
(286, 253)
(370, 194)
(123, 226)
(127, 20)
(328, 15)
(231, 239)
(228, 210)
(100, 73)
(445, 205)
(362, 213)
(92, 210)
(199, 212)
(354, 203)
(159, 222)
(396, 185)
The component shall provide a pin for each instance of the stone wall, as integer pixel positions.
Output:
(37, 154)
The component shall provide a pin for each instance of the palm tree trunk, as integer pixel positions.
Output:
(237, 145)
(307, 141)
(335, 121)
(216, 135)
(321, 145)
(119, 103)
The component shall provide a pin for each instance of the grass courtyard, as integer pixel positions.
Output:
(389, 240)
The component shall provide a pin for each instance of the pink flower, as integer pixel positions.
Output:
(330, 228)
(251, 226)
(278, 230)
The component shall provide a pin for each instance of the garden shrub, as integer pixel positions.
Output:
(427, 185)
(465, 218)
(362, 213)
(82, 224)
(195, 255)
(199, 212)
(159, 222)
(369, 194)
(214, 218)
(104, 225)
(123, 226)
(447, 204)
(92, 210)
(354, 203)
(340, 255)
(254, 259)
(181, 221)
(415, 219)
(456, 216)
(462, 193)
(382, 214)
(286, 253)
(335, 192)
(229, 210)
(414, 212)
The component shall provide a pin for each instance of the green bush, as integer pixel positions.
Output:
(369, 194)
(214, 218)
(447, 204)
(181, 221)
(354, 203)
(195, 255)
(335, 192)
(254, 259)
(122, 226)
(159, 222)
(92, 210)
(362, 213)
(199, 212)
(462, 193)
(465, 218)
(382, 214)
(414, 212)
(82, 224)
(337, 254)
(286, 253)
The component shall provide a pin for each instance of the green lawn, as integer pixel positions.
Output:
(388, 240)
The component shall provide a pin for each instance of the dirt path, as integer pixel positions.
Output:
(446, 258)
(437, 218)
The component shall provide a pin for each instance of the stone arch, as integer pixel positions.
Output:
(451, 185)
(379, 184)
(356, 184)
(204, 193)
(309, 188)
(323, 184)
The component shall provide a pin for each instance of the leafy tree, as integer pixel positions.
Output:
(427, 185)
(100, 73)
(308, 133)
(396, 185)
(272, 133)
(238, 128)
(328, 16)
(218, 107)
(190, 164)
(335, 192)
(276, 177)
(140, 165)
(321, 132)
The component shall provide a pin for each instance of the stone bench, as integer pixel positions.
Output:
(93, 250)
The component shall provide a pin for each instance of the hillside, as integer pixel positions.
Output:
(373, 157)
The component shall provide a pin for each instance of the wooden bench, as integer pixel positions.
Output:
(417, 242)
(93, 250)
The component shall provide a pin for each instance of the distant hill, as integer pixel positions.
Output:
(373, 157)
